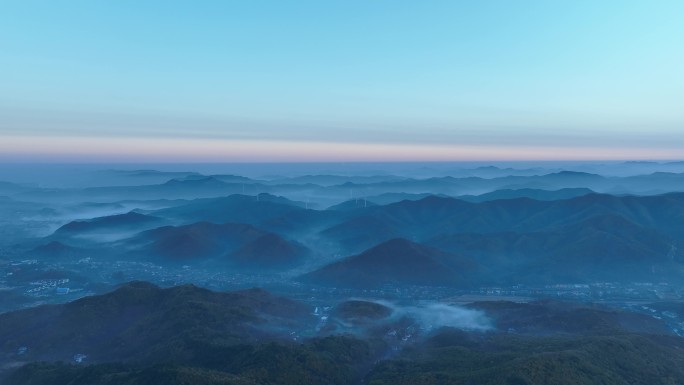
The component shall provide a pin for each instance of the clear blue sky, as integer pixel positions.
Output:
(341, 80)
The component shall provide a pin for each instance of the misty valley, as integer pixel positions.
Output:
(404, 273)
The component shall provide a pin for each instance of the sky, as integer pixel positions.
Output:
(384, 80)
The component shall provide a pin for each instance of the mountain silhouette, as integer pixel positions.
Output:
(397, 261)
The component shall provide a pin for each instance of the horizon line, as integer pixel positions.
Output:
(61, 149)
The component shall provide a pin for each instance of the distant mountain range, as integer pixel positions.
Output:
(431, 216)
(325, 190)
(586, 237)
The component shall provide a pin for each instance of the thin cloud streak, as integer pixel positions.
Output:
(396, 130)
(91, 149)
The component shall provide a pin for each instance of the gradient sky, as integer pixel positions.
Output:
(131, 80)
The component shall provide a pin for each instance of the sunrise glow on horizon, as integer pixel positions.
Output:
(311, 81)
(155, 150)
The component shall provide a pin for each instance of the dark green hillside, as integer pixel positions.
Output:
(142, 322)
(452, 357)
(334, 360)
(564, 318)
(141, 334)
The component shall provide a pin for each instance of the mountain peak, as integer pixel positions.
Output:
(397, 261)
